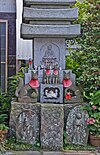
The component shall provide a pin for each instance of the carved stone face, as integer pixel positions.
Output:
(34, 76)
(49, 47)
(79, 115)
(66, 76)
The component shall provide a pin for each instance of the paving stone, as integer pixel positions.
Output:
(53, 153)
(80, 153)
(26, 153)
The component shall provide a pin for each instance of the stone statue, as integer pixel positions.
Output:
(71, 91)
(76, 127)
(28, 92)
(49, 53)
(47, 75)
(55, 75)
(49, 57)
(27, 127)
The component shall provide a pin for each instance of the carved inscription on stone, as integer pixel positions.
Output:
(76, 128)
(27, 127)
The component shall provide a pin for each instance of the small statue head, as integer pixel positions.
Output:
(66, 75)
(48, 66)
(78, 115)
(56, 66)
(49, 47)
(34, 75)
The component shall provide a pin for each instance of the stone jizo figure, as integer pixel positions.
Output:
(78, 128)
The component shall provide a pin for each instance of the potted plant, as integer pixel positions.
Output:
(93, 122)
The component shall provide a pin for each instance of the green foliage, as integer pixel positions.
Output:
(3, 127)
(79, 147)
(93, 109)
(64, 139)
(22, 146)
(71, 63)
(87, 58)
(3, 117)
(5, 98)
(4, 109)
(13, 82)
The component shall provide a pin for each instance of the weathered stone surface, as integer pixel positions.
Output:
(50, 14)
(53, 153)
(25, 121)
(60, 2)
(56, 31)
(50, 153)
(76, 128)
(58, 48)
(27, 127)
(52, 126)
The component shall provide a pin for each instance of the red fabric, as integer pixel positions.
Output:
(30, 62)
(34, 83)
(67, 83)
(68, 97)
(47, 71)
(55, 72)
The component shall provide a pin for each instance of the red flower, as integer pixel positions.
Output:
(90, 121)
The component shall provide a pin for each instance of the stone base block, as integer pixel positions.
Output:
(52, 123)
(24, 122)
(27, 100)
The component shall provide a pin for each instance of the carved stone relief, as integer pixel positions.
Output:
(27, 127)
(76, 128)
(50, 56)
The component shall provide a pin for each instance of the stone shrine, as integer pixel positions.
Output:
(48, 99)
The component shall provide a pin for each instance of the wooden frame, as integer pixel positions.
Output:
(6, 62)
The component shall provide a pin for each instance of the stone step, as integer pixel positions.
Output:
(67, 31)
(50, 14)
(50, 153)
(49, 2)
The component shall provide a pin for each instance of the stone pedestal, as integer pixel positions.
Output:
(52, 123)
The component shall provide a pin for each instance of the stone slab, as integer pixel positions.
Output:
(51, 135)
(53, 153)
(76, 127)
(44, 22)
(50, 14)
(60, 2)
(50, 153)
(26, 153)
(80, 153)
(25, 121)
(56, 31)
(58, 47)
